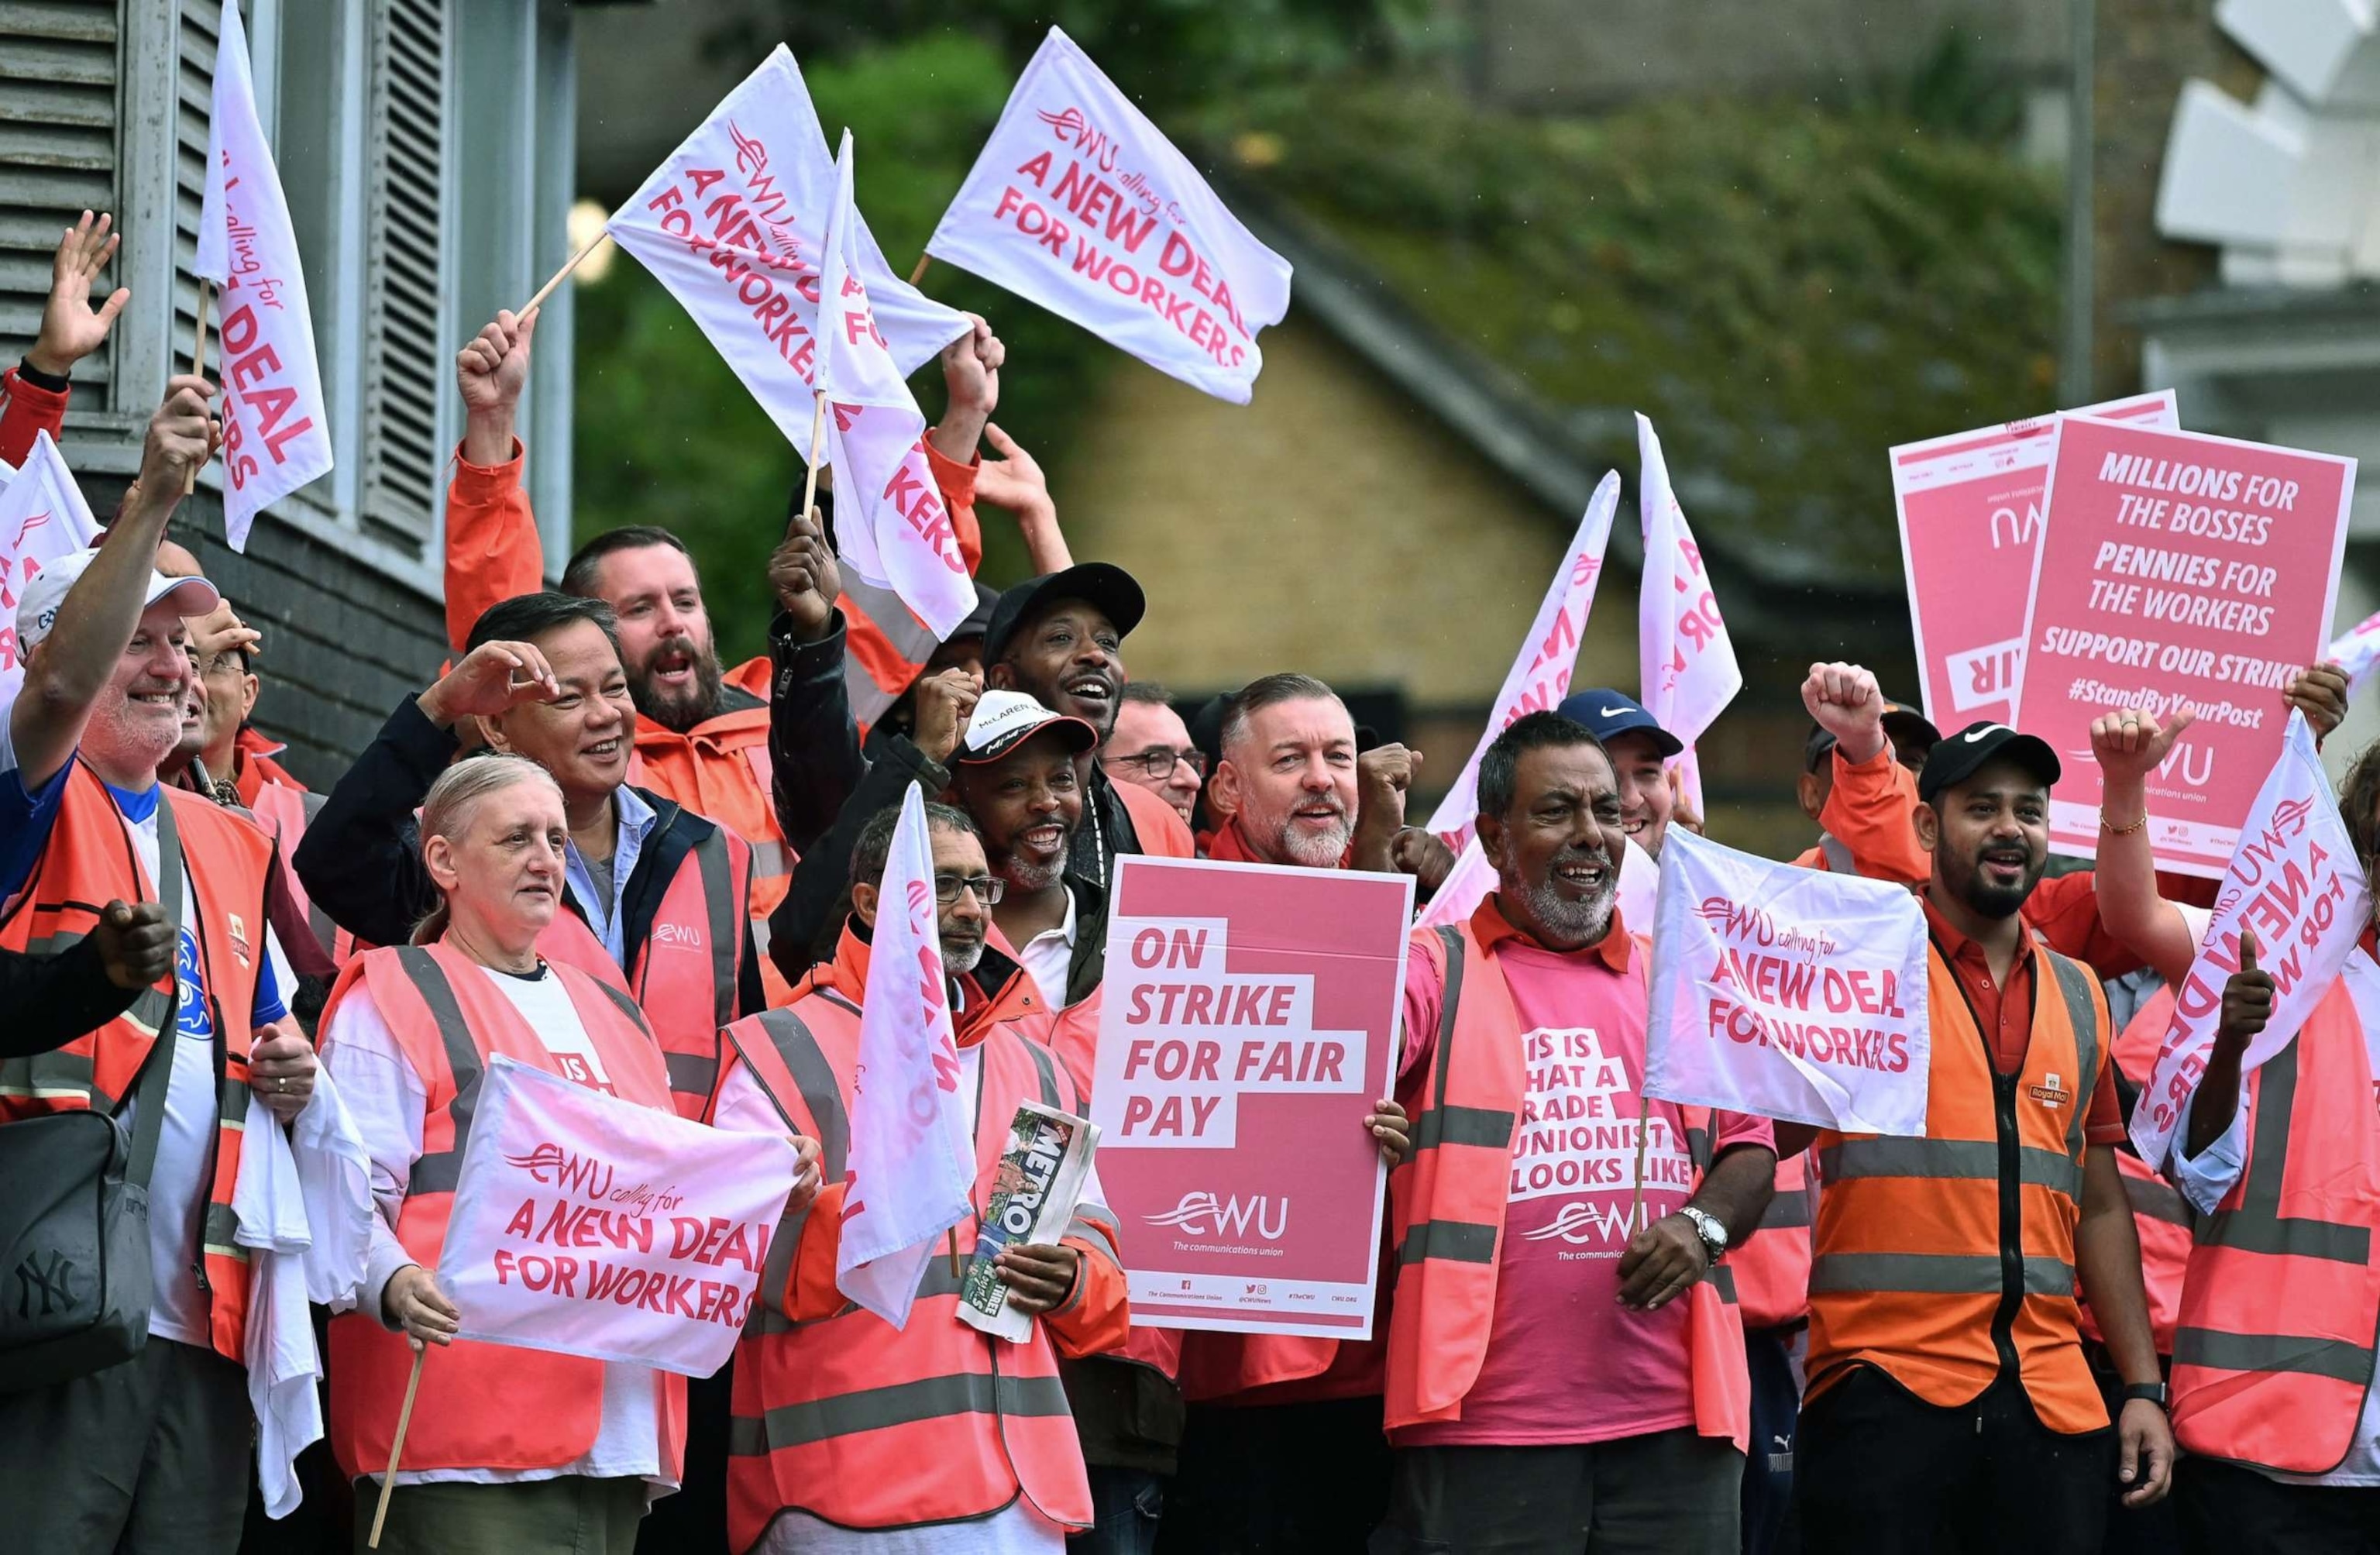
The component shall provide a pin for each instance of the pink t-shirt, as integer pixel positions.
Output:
(1566, 1362)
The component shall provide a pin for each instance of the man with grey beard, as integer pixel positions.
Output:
(1294, 788)
(1561, 1358)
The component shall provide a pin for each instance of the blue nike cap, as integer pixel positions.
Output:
(1606, 712)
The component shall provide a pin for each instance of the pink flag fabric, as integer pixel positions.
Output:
(592, 1226)
(911, 1169)
(1685, 662)
(43, 517)
(2356, 651)
(2294, 884)
(734, 224)
(276, 427)
(892, 525)
(1082, 205)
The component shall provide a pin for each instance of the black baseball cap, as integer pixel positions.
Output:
(979, 621)
(1606, 712)
(1102, 584)
(1960, 756)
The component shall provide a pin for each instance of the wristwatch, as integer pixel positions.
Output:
(2155, 1392)
(1708, 1227)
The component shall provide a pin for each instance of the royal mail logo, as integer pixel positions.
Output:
(1201, 1213)
(2051, 1092)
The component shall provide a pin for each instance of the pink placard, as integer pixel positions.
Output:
(2178, 569)
(1970, 508)
(1250, 1016)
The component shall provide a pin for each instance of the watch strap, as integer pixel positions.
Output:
(2152, 1392)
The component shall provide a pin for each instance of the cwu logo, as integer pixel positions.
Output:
(1200, 1213)
(192, 1019)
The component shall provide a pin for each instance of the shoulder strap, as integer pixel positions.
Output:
(2076, 986)
(157, 1068)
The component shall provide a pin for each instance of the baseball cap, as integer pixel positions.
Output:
(1902, 721)
(979, 621)
(1101, 584)
(1960, 756)
(37, 607)
(1004, 720)
(1606, 712)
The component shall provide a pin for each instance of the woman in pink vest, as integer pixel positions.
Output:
(510, 1448)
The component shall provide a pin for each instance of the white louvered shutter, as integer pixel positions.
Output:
(59, 70)
(405, 361)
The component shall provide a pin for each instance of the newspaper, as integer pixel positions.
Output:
(1033, 1198)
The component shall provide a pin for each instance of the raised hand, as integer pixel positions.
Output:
(491, 372)
(71, 328)
(945, 703)
(494, 677)
(2130, 744)
(2247, 1002)
(803, 573)
(136, 944)
(1845, 702)
(183, 435)
(2319, 692)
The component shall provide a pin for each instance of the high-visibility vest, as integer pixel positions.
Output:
(1772, 1267)
(88, 862)
(685, 974)
(1919, 1270)
(480, 1405)
(1448, 1203)
(850, 1419)
(284, 813)
(2161, 1215)
(2281, 1305)
(721, 770)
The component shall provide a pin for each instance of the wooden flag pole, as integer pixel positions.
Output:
(563, 274)
(919, 274)
(955, 1271)
(817, 439)
(1643, 1129)
(199, 367)
(404, 1418)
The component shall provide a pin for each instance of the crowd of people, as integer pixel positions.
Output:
(590, 846)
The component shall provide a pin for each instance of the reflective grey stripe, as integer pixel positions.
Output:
(1483, 1126)
(1963, 1159)
(1722, 1279)
(2333, 1359)
(54, 1074)
(799, 1050)
(1786, 1211)
(220, 1232)
(691, 1074)
(1934, 1274)
(768, 858)
(438, 1172)
(904, 1404)
(726, 918)
(759, 936)
(231, 1103)
(1839, 857)
(2158, 1201)
(2257, 1226)
(2077, 982)
(907, 637)
(1455, 1241)
(1046, 1065)
(1698, 1146)
(1090, 1228)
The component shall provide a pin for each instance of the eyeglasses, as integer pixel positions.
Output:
(1157, 760)
(987, 888)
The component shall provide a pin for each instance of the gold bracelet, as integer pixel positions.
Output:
(2123, 831)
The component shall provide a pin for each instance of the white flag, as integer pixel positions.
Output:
(2356, 651)
(912, 1163)
(734, 224)
(43, 517)
(2293, 883)
(1786, 992)
(1538, 681)
(276, 430)
(1685, 664)
(1082, 205)
(891, 528)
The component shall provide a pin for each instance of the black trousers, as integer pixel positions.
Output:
(1278, 1479)
(1879, 1471)
(2226, 1509)
(1666, 1493)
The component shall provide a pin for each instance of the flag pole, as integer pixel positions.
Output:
(563, 274)
(919, 274)
(1643, 1129)
(817, 437)
(199, 367)
(404, 1418)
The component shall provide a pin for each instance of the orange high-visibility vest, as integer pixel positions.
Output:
(1918, 1271)
(850, 1419)
(285, 812)
(685, 974)
(1448, 1203)
(88, 862)
(1772, 1267)
(480, 1405)
(2161, 1215)
(720, 770)
(2281, 1305)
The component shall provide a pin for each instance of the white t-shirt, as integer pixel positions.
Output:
(1048, 956)
(385, 1097)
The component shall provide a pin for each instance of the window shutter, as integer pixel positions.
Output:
(59, 70)
(404, 358)
(194, 68)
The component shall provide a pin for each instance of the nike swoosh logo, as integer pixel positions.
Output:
(1980, 733)
(1609, 712)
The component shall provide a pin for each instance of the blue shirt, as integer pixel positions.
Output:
(635, 821)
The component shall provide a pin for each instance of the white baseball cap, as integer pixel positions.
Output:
(1004, 720)
(37, 607)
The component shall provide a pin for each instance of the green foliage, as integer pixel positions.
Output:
(1787, 289)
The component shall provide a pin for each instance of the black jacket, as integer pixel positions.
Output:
(813, 744)
(802, 930)
(360, 859)
(52, 1000)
